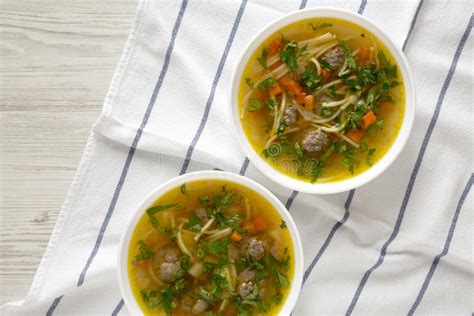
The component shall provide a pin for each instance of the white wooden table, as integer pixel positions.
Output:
(57, 58)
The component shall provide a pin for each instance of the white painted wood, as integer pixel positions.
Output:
(57, 58)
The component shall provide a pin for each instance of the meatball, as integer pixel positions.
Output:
(169, 271)
(202, 214)
(200, 306)
(246, 288)
(334, 57)
(290, 115)
(315, 141)
(246, 275)
(256, 248)
(168, 254)
(169, 266)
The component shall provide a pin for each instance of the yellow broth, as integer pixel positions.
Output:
(177, 221)
(336, 166)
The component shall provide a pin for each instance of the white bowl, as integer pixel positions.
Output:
(377, 168)
(122, 260)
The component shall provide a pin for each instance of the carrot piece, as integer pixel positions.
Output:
(294, 87)
(309, 102)
(259, 224)
(325, 74)
(285, 80)
(236, 236)
(368, 119)
(364, 53)
(300, 98)
(275, 64)
(274, 47)
(356, 135)
(275, 90)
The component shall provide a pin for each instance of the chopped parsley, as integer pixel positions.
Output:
(319, 25)
(144, 252)
(263, 58)
(310, 77)
(267, 83)
(249, 83)
(288, 55)
(254, 105)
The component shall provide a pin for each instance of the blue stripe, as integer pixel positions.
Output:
(303, 4)
(329, 238)
(290, 200)
(118, 308)
(414, 173)
(447, 243)
(244, 167)
(412, 25)
(362, 7)
(189, 153)
(131, 152)
(54, 305)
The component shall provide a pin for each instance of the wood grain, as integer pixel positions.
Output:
(57, 58)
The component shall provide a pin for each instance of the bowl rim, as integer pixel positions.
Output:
(122, 255)
(380, 166)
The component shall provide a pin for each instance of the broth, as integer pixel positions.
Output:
(321, 100)
(210, 246)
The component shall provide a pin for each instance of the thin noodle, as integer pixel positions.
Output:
(307, 115)
(316, 63)
(220, 234)
(153, 275)
(206, 227)
(320, 39)
(325, 49)
(355, 52)
(223, 305)
(180, 242)
(347, 139)
(291, 130)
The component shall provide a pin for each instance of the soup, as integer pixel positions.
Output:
(321, 100)
(211, 247)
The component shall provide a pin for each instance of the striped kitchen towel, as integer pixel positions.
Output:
(399, 245)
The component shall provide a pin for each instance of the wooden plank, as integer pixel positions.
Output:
(57, 58)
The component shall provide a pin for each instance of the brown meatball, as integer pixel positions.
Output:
(169, 271)
(202, 214)
(168, 263)
(256, 248)
(290, 115)
(334, 57)
(315, 141)
(246, 288)
(167, 254)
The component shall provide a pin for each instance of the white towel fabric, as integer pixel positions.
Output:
(401, 244)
